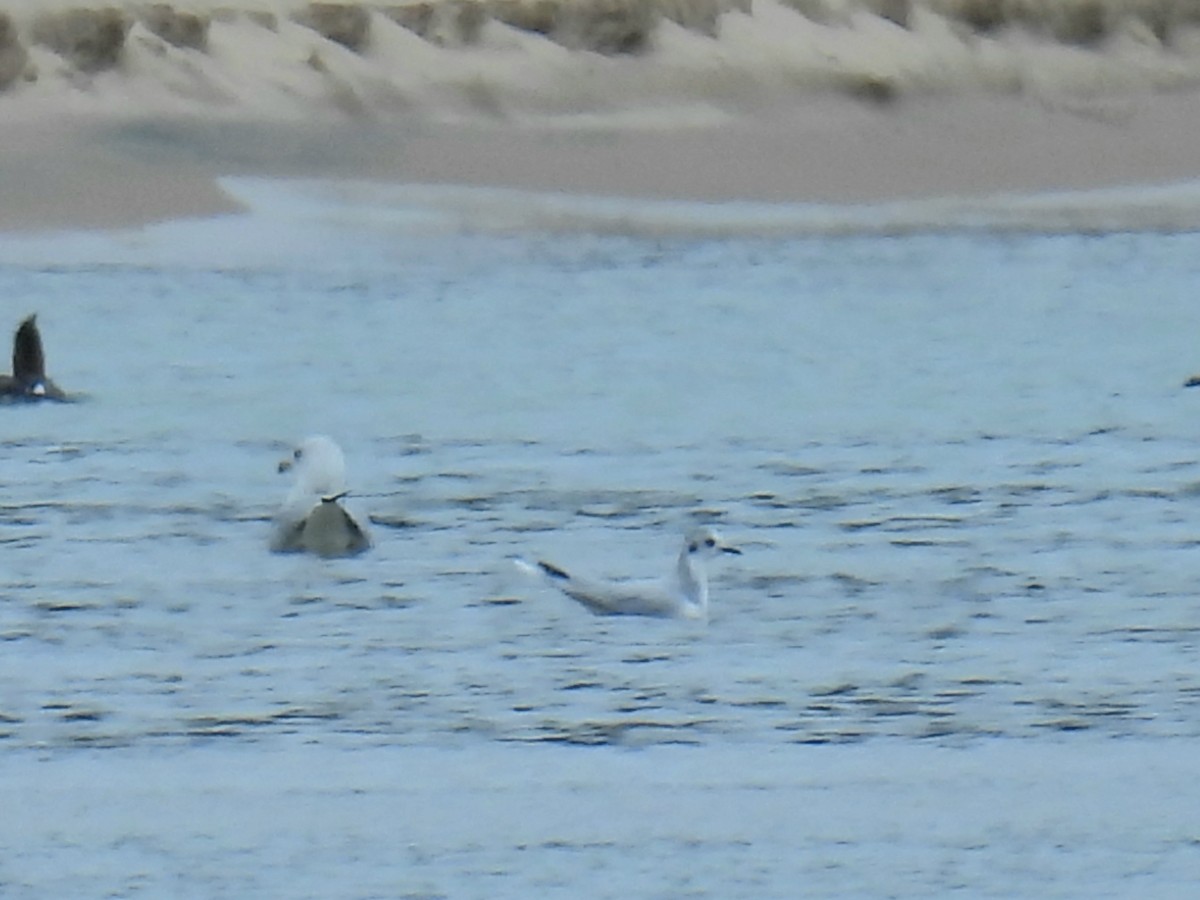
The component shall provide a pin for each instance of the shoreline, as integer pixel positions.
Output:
(98, 172)
(125, 114)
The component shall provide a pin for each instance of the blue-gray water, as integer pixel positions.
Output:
(960, 651)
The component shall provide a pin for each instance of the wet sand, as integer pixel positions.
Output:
(88, 172)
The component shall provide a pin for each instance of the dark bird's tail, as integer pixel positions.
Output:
(28, 360)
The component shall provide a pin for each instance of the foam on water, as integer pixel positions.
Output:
(341, 226)
(1166, 208)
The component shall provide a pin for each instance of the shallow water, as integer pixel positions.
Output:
(960, 651)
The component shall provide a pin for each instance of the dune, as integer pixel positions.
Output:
(120, 113)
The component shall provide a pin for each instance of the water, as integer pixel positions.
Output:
(960, 651)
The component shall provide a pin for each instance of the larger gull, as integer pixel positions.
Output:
(682, 594)
(312, 518)
(28, 381)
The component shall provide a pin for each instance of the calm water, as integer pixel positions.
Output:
(961, 650)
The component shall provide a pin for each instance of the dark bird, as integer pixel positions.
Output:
(28, 381)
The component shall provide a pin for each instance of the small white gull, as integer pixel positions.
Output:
(312, 518)
(682, 594)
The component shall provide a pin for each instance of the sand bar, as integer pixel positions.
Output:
(772, 106)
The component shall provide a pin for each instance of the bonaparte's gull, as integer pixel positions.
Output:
(682, 594)
(28, 381)
(312, 519)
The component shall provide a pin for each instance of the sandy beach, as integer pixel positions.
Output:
(144, 138)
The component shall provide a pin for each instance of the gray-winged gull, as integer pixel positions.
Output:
(312, 518)
(682, 594)
(28, 381)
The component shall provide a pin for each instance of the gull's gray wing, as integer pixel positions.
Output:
(328, 531)
(614, 598)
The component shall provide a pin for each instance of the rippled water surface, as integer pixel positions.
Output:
(961, 650)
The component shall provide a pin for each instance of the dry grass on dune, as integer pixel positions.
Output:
(92, 37)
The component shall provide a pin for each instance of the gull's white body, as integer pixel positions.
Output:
(312, 519)
(682, 594)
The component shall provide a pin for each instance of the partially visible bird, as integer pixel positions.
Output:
(312, 518)
(28, 381)
(681, 594)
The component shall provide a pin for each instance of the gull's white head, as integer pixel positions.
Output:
(706, 543)
(319, 466)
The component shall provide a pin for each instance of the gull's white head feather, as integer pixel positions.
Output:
(319, 468)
